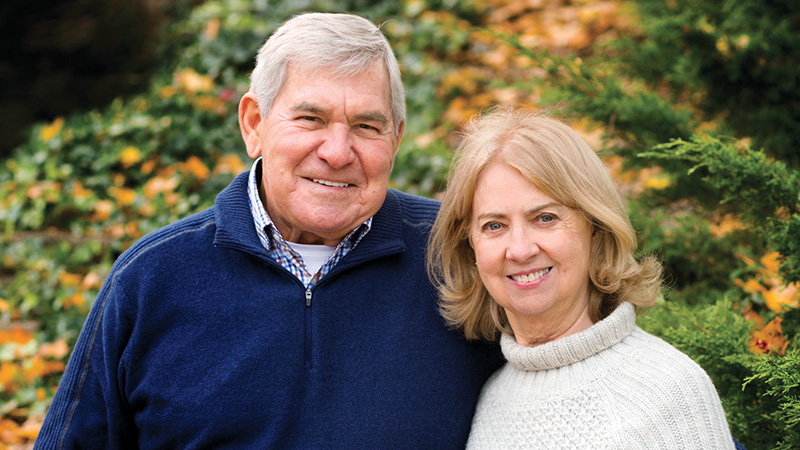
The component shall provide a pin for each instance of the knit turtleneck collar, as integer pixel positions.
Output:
(573, 348)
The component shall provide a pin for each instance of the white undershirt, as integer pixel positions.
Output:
(314, 256)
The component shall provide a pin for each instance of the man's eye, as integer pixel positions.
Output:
(366, 127)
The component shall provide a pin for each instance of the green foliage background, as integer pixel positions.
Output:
(699, 96)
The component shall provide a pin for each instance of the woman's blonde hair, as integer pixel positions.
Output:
(557, 161)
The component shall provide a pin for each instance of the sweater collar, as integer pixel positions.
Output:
(574, 348)
(235, 228)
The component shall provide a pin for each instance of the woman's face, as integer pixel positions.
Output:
(532, 254)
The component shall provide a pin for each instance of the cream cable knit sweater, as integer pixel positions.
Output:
(612, 386)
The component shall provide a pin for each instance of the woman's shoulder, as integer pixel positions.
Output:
(658, 369)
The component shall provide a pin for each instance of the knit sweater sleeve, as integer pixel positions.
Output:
(666, 400)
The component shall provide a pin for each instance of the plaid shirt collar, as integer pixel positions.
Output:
(276, 246)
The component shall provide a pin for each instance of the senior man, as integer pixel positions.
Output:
(296, 312)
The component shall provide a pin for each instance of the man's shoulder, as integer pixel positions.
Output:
(179, 237)
(414, 208)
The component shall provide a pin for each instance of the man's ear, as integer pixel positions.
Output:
(249, 119)
(398, 140)
(400, 130)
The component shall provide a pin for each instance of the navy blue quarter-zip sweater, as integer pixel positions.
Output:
(199, 340)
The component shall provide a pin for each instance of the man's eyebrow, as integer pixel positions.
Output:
(308, 107)
(369, 116)
(373, 116)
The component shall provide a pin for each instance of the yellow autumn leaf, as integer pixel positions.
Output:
(746, 259)
(742, 42)
(753, 286)
(191, 81)
(90, 281)
(8, 375)
(781, 298)
(70, 279)
(102, 211)
(229, 163)
(159, 184)
(172, 199)
(167, 92)
(724, 46)
(79, 192)
(771, 262)
(196, 167)
(123, 196)
(726, 225)
(30, 428)
(129, 156)
(57, 349)
(652, 178)
(212, 29)
(75, 300)
(209, 103)
(52, 130)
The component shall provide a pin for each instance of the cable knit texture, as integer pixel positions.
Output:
(612, 386)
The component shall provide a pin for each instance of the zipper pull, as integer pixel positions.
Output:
(308, 297)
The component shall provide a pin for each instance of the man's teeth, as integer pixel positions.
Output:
(330, 183)
(530, 277)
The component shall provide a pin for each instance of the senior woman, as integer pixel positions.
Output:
(533, 241)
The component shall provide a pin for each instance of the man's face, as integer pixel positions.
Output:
(327, 147)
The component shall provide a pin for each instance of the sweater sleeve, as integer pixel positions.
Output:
(669, 401)
(89, 410)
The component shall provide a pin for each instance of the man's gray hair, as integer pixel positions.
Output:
(346, 43)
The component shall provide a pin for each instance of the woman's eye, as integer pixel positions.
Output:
(492, 226)
(546, 218)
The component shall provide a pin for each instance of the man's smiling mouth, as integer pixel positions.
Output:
(329, 183)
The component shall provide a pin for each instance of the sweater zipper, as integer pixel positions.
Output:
(307, 351)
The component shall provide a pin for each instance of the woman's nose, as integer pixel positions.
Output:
(522, 246)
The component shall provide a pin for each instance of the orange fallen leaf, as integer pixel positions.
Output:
(769, 339)
(102, 211)
(211, 30)
(15, 335)
(229, 163)
(9, 432)
(30, 428)
(57, 349)
(196, 167)
(69, 279)
(781, 298)
(191, 81)
(123, 196)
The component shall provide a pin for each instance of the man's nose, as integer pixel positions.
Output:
(337, 149)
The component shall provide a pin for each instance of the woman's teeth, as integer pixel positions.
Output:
(531, 276)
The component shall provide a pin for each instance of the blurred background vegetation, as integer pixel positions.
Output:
(120, 116)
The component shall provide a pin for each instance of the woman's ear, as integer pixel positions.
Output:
(249, 121)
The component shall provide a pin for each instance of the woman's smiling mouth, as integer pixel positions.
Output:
(530, 277)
